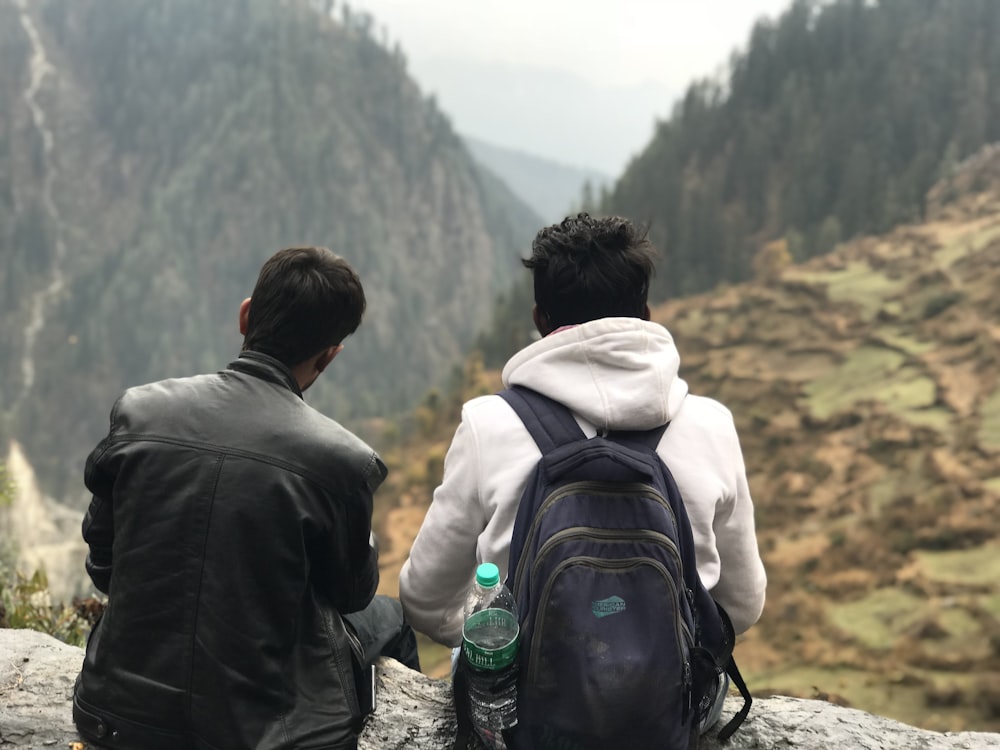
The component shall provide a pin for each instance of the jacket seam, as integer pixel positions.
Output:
(220, 460)
(225, 451)
(284, 728)
(370, 471)
(338, 650)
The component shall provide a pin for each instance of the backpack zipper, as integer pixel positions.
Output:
(688, 692)
(626, 535)
(590, 487)
(623, 535)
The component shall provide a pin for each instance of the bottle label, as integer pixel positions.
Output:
(490, 639)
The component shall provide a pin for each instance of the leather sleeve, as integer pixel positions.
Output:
(345, 569)
(99, 522)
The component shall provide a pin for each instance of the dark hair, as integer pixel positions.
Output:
(586, 268)
(306, 299)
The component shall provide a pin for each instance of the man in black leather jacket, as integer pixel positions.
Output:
(231, 529)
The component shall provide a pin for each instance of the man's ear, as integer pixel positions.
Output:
(244, 315)
(326, 357)
(541, 321)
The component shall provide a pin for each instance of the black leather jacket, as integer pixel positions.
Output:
(230, 526)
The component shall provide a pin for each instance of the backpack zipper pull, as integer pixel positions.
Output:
(688, 692)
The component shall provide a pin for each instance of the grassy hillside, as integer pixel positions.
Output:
(866, 388)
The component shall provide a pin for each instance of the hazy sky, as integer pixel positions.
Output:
(578, 81)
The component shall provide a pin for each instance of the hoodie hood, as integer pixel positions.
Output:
(616, 373)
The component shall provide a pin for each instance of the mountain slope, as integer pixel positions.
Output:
(866, 389)
(164, 149)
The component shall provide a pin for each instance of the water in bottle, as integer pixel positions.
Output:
(489, 643)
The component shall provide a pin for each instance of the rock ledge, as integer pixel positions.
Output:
(37, 674)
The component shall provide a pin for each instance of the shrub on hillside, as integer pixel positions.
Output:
(25, 603)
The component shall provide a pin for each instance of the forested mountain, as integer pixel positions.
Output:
(153, 154)
(835, 120)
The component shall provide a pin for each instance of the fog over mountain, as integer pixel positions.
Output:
(588, 125)
(579, 83)
(551, 189)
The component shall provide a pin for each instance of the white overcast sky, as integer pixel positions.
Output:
(577, 81)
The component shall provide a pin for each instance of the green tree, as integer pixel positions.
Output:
(828, 236)
(24, 600)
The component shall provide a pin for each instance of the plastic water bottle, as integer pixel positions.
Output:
(489, 644)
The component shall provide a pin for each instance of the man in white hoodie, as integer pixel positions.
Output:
(602, 357)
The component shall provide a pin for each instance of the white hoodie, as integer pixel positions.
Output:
(614, 374)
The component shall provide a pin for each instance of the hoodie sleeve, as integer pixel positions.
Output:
(742, 580)
(435, 579)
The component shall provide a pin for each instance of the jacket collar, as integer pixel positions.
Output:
(266, 368)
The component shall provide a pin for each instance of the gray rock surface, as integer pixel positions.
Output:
(37, 674)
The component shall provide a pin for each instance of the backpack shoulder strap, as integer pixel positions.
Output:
(734, 673)
(648, 438)
(550, 423)
(729, 664)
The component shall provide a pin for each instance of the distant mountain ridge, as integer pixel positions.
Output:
(551, 189)
(153, 154)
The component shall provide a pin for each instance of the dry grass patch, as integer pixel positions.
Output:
(976, 567)
(856, 283)
(879, 619)
(989, 422)
(872, 373)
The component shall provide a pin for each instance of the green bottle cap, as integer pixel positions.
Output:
(487, 575)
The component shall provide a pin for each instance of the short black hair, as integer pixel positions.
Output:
(586, 268)
(306, 299)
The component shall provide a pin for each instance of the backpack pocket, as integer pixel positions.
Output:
(609, 657)
(705, 676)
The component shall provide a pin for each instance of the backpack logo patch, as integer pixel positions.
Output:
(610, 606)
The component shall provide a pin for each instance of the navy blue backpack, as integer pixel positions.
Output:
(621, 645)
